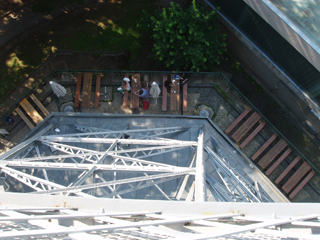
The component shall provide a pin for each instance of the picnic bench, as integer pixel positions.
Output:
(86, 91)
(164, 94)
(175, 95)
(78, 88)
(97, 95)
(125, 95)
(31, 111)
(135, 85)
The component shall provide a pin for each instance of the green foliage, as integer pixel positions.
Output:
(185, 39)
(46, 7)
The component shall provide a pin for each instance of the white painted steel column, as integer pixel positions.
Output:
(199, 178)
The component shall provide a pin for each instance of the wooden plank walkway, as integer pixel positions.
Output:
(39, 104)
(296, 177)
(287, 170)
(97, 95)
(302, 184)
(86, 91)
(246, 126)
(78, 88)
(264, 146)
(164, 94)
(268, 158)
(274, 156)
(35, 116)
(229, 129)
(252, 135)
(277, 163)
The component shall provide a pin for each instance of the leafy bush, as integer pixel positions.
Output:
(185, 39)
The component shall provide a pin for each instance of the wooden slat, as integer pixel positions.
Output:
(301, 185)
(97, 96)
(39, 104)
(277, 163)
(287, 170)
(86, 91)
(35, 116)
(246, 126)
(25, 119)
(242, 115)
(296, 177)
(268, 158)
(264, 146)
(164, 94)
(185, 97)
(77, 96)
(125, 95)
(252, 135)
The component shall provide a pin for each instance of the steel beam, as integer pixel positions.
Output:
(116, 182)
(33, 181)
(200, 176)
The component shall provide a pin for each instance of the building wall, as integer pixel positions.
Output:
(271, 43)
(255, 44)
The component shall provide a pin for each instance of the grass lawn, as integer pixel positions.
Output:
(104, 27)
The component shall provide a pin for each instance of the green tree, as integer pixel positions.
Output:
(185, 39)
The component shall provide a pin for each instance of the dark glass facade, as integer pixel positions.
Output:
(291, 62)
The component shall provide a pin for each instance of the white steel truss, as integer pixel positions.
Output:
(82, 165)
(90, 171)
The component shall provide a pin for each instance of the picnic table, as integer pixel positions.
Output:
(175, 95)
(86, 91)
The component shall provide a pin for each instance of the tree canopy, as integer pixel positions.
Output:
(185, 39)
